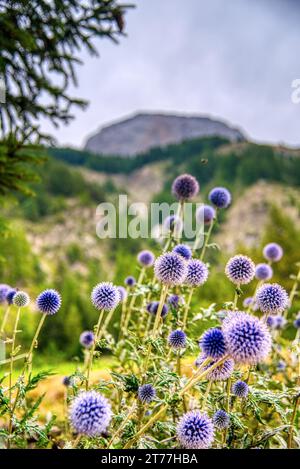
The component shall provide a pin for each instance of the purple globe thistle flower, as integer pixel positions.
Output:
(247, 338)
(173, 223)
(281, 365)
(220, 197)
(197, 273)
(146, 258)
(212, 343)
(3, 292)
(86, 339)
(297, 322)
(270, 322)
(240, 269)
(153, 307)
(221, 419)
(177, 339)
(280, 322)
(250, 302)
(90, 413)
(10, 296)
(48, 302)
(240, 389)
(185, 187)
(183, 250)
(263, 272)
(205, 214)
(123, 293)
(175, 301)
(105, 296)
(195, 430)
(271, 298)
(273, 252)
(221, 372)
(146, 393)
(21, 299)
(67, 381)
(170, 269)
(130, 281)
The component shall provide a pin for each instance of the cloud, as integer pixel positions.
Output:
(234, 60)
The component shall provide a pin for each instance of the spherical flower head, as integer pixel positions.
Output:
(170, 269)
(173, 223)
(153, 307)
(197, 273)
(212, 343)
(271, 298)
(185, 187)
(3, 292)
(221, 373)
(90, 413)
(10, 295)
(247, 338)
(221, 419)
(248, 302)
(195, 430)
(205, 214)
(183, 250)
(130, 281)
(105, 296)
(281, 365)
(86, 339)
(297, 323)
(220, 197)
(21, 299)
(48, 302)
(273, 252)
(67, 381)
(271, 322)
(177, 339)
(263, 272)
(175, 301)
(279, 321)
(146, 393)
(240, 389)
(123, 293)
(240, 269)
(146, 258)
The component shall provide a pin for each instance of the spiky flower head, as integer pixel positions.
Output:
(130, 281)
(185, 187)
(10, 295)
(177, 339)
(195, 430)
(66, 381)
(170, 269)
(183, 250)
(240, 269)
(152, 308)
(280, 322)
(247, 338)
(21, 299)
(173, 223)
(197, 273)
(86, 339)
(297, 321)
(221, 372)
(146, 258)
(105, 296)
(48, 302)
(240, 389)
(3, 292)
(249, 302)
(273, 252)
(221, 419)
(220, 197)
(90, 413)
(205, 214)
(272, 298)
(263, 272)
(123, 293)
(146, 393)
(175, 301)
(270, 321)
(212, 343)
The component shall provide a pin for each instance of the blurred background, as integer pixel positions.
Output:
(197, 87)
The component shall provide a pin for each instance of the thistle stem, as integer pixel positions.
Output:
(28, 361)
(293, 293)
(121, 427)
(207, 237)
(11, 373)
(5, 318)
(132, 301)
(187, 307)
(92, 351)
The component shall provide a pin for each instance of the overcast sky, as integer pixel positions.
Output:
(232, 59)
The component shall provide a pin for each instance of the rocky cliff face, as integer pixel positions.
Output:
(141, 132)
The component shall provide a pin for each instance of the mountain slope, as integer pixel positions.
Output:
(141, 132)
